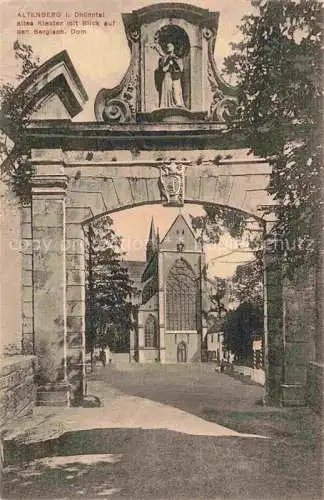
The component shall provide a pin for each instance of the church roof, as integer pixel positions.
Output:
(150, 268)
(152, 235)
(181, 218)
(152, 243)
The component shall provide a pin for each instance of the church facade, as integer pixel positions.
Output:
(170, 321)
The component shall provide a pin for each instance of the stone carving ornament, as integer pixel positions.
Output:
(134, 33)
(171, 44)
(171, 183)
(118, 105)
(224, 100)
(116, 110)
(172, 77)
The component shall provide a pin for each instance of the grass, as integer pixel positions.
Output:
(299, 426)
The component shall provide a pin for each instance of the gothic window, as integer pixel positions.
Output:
(181, 298)
(150, 332)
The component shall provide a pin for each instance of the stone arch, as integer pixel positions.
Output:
(109, 187)
(83, 170)
(71, 188)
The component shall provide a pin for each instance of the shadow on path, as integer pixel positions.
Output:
(160, 464)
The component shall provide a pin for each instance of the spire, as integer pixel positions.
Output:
(152, 235)
(152, 243)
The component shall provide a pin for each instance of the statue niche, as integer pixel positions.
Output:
(172, 75)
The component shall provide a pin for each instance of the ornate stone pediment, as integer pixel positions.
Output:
(52, 92)
(172, 76)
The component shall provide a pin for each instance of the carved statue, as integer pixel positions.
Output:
(168, 78)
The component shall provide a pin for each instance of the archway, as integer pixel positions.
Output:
(83, 170)
(70, 197)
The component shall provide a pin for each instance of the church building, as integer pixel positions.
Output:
(170, 325)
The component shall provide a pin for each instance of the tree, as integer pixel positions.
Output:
(16, 169)
(247, 283)
(278, 66)
(219, 290)
(217, 220)
(108, 288)
(245, 322)
(240, 327)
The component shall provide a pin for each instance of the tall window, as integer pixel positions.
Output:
(181, 298)
(150, 332)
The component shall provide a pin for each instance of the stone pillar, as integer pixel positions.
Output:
(27, 280)
(131, 345)
(140, 340)
(75, 309)
(203, 309)
(197, 67)
(298, 330)
(315, 375)
(273, 329)
(49, 284)
(319, 282)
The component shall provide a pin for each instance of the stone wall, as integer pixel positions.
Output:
(274, 316)
(257, 375)
(291, 311)
(315, 384)
(10, 273)
(299, 313)
(17, 387)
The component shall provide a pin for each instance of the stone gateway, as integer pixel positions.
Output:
(160, 137)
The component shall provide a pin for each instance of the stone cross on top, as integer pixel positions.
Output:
(172, 75)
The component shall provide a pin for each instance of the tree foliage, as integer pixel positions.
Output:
(16, 168)
(240, 327)
(247, 283)
(278, 69)
(218, 293)
(217, 220)
(244, 323)
(108, 288)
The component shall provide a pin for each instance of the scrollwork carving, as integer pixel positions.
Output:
(226, 109)
(118, 105)
(208, 33)
(222, 107)
(116, 111)
(134, 33)
(224, 97)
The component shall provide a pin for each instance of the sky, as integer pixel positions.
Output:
(101, 57)
(222, 259)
